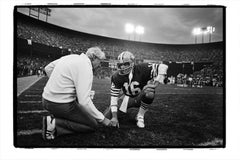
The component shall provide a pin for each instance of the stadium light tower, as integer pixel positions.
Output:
(204, 32)
(210, 30)
(140, 31)
(196, 32)
(129, 28)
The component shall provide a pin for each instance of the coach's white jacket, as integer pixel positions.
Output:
(70, 77)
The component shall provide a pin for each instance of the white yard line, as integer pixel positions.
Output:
(24, 102)
(33, 95)
(29, 132)
(26, 82)
(34, 111)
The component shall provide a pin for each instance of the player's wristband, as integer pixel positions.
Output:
(114, 108)
(162, 69)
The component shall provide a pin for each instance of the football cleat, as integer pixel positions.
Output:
(49, 129)
(125, 62)
(140, 121)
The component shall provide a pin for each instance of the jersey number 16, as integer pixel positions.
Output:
(130, 89)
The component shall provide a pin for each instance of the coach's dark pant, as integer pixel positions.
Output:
(70, 117)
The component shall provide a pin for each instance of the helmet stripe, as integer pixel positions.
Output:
(123, 55)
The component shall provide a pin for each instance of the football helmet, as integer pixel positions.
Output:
(125, 62)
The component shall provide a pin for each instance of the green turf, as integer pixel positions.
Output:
(178, 117)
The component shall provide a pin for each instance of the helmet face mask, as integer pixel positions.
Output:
(125, 63)
(125, 67)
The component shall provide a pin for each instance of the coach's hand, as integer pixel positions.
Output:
(115, 122)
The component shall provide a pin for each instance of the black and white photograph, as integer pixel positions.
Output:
(123, 76)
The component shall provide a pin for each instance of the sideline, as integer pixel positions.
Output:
(24, 83)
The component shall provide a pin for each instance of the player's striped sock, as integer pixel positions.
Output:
(143, 109)
(140, 116)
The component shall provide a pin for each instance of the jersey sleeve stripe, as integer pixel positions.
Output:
(115, 92)
(114, 95)
(114, 89)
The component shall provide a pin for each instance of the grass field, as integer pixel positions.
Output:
(179, 117)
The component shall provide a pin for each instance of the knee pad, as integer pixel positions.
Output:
(148, 97)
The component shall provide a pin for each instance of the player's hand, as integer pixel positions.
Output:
(114, 122)
(150, 81)
(150, 87)
(152, 84)
(106, 122)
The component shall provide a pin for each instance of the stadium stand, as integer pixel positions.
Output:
(39, 42)
(27, 66)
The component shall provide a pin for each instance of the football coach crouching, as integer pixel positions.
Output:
(66, 95)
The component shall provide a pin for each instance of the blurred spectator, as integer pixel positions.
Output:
(211, 75)
(30, 66)
(54, 36)
(78, 42)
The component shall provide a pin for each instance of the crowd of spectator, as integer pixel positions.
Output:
(103, 73)
(27, 66)
(55, 36)
(76, 41)
(210, 75)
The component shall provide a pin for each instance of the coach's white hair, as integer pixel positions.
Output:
(95, 51)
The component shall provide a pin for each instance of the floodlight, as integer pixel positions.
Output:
(197, 31)
(139, 30)
(205, 32)
(211, 29)
(129, 28)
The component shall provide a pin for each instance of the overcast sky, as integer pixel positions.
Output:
(161, 25)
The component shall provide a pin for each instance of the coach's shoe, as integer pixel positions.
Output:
(49, 129)
(140, 121)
